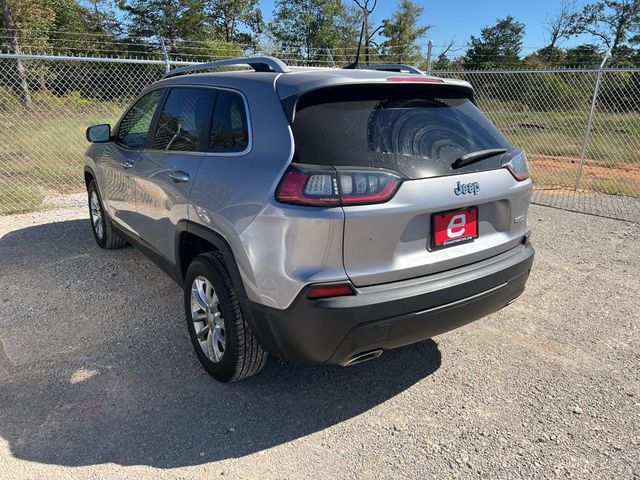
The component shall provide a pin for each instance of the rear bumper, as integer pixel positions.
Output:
(392, 315)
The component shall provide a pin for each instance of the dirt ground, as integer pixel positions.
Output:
(98, 379)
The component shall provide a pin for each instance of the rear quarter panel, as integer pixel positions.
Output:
(229, 191)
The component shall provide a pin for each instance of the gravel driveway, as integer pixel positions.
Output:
(98, 378)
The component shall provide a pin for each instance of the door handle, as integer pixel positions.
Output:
(179, 176)
(127, 164)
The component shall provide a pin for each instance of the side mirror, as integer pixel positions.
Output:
(99, 133)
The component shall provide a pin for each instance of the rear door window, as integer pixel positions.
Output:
(418, 131)
(230, 127)
(184, 115)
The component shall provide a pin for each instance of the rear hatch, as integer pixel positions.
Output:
(444, 214)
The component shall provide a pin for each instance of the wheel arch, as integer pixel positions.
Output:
(193, 239)
(88, 176)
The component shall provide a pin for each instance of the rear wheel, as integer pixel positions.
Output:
(221, 338)
(101, 227)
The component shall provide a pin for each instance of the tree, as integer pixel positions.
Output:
(7, 22)
(545, 57)
(442, 60)
(366, 8)
(306, 27)
(559, 27)
(583, 56)
(238, 21)
(102, 17)
(170, 19)
(402, 32)
(611, 21)
(349, 25)
(497, 46)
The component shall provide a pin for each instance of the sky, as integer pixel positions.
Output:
(459, 19)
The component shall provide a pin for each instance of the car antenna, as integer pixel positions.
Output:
(356, 63)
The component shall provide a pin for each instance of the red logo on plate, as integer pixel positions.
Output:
(454, 227)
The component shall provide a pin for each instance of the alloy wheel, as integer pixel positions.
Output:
(96, 215)
(207, 319)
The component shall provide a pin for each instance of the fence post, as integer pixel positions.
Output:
(331, 58)
(429, 56)
(587, 133)
(165, 55)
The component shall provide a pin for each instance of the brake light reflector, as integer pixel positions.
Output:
(326, 291)
(320, 186)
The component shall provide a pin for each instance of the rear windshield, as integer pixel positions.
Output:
(416, 130)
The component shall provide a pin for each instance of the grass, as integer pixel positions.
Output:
(46, 148)
(615, 137)
(19, 198)
(565, 178)
(43, 148)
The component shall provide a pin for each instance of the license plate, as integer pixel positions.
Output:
(454, 227)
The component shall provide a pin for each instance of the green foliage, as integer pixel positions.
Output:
(72, 101)
(545, 57)
(442, 63)
(610, 21)
(402, 32)
(620, 91)
(349, 24)
(583, 56)
(228, 17)
(306, 27)
(541, 92)
(171, 19)
(498, 46)
(9, 101)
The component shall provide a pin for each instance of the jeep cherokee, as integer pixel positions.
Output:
(319, 215)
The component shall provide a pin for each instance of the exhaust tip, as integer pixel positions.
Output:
(363, 357)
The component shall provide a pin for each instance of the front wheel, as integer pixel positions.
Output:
(221, 338)
(101, 226)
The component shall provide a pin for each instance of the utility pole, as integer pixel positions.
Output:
(165, 55)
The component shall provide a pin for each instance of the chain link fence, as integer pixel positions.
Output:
(582, 135)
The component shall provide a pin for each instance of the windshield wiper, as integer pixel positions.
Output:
(473, 157)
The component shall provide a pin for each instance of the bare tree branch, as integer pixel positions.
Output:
(560, 25)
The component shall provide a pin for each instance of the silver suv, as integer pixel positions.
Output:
(319, 215)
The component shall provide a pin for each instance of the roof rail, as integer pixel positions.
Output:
(393, 67)
(259, 64)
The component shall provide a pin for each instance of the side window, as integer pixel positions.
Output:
(229, 129)
(181, 122)
(134, 126)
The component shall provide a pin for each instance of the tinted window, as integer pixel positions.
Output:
(229, 129)
(181, 122)
(134, 126)
(415, 130)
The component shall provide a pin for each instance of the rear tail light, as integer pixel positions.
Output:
(327, 291)
(518, 166)
(323, 186)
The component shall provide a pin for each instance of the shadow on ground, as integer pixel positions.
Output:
(96, 366)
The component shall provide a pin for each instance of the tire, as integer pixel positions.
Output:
(221, 338)
(103, 231)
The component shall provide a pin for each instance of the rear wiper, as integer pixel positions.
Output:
(469, 158)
